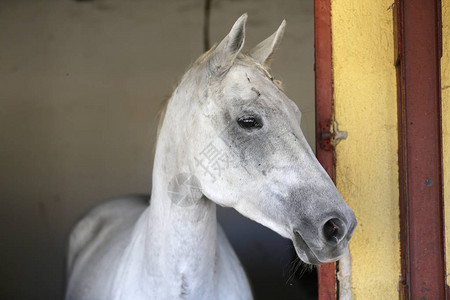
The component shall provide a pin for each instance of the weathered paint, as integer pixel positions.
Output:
(445, 85)
(420, 144)
(324, 115)
(367, 162)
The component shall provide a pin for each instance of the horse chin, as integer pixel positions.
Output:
(307, 255)
(304, 252)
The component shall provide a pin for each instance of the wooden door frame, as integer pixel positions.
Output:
(323, 68)
(418, 51)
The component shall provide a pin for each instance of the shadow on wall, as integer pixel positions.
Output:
(81, 84)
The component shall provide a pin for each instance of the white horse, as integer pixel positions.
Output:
(231, 137)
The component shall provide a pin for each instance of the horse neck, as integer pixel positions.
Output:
(183, 238)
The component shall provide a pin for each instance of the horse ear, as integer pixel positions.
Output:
(263, 52)
(226, 52)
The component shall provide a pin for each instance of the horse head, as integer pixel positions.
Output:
(240, 135)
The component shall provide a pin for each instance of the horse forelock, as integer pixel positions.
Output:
(242, 57)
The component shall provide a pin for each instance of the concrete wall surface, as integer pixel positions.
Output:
(81, 83)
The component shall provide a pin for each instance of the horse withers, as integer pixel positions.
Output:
(231, 137)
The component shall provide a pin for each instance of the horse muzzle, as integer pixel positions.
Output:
(327, 246)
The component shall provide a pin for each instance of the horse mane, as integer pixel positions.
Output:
(162, 111)
(161, 114)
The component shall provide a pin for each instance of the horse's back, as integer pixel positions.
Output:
(97, 239)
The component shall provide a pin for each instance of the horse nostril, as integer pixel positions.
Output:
(333, 231)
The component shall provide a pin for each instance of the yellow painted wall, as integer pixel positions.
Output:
(445, 84)
(367, 162)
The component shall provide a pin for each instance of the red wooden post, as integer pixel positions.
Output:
(420, 149)
(324, 116)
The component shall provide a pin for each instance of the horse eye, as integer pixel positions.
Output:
(249, 122)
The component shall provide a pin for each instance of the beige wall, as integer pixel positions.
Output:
(367, 166)
(80, 85)
(365, 96)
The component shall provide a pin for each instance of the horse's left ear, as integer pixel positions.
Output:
(228, 49)
(263, 52)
